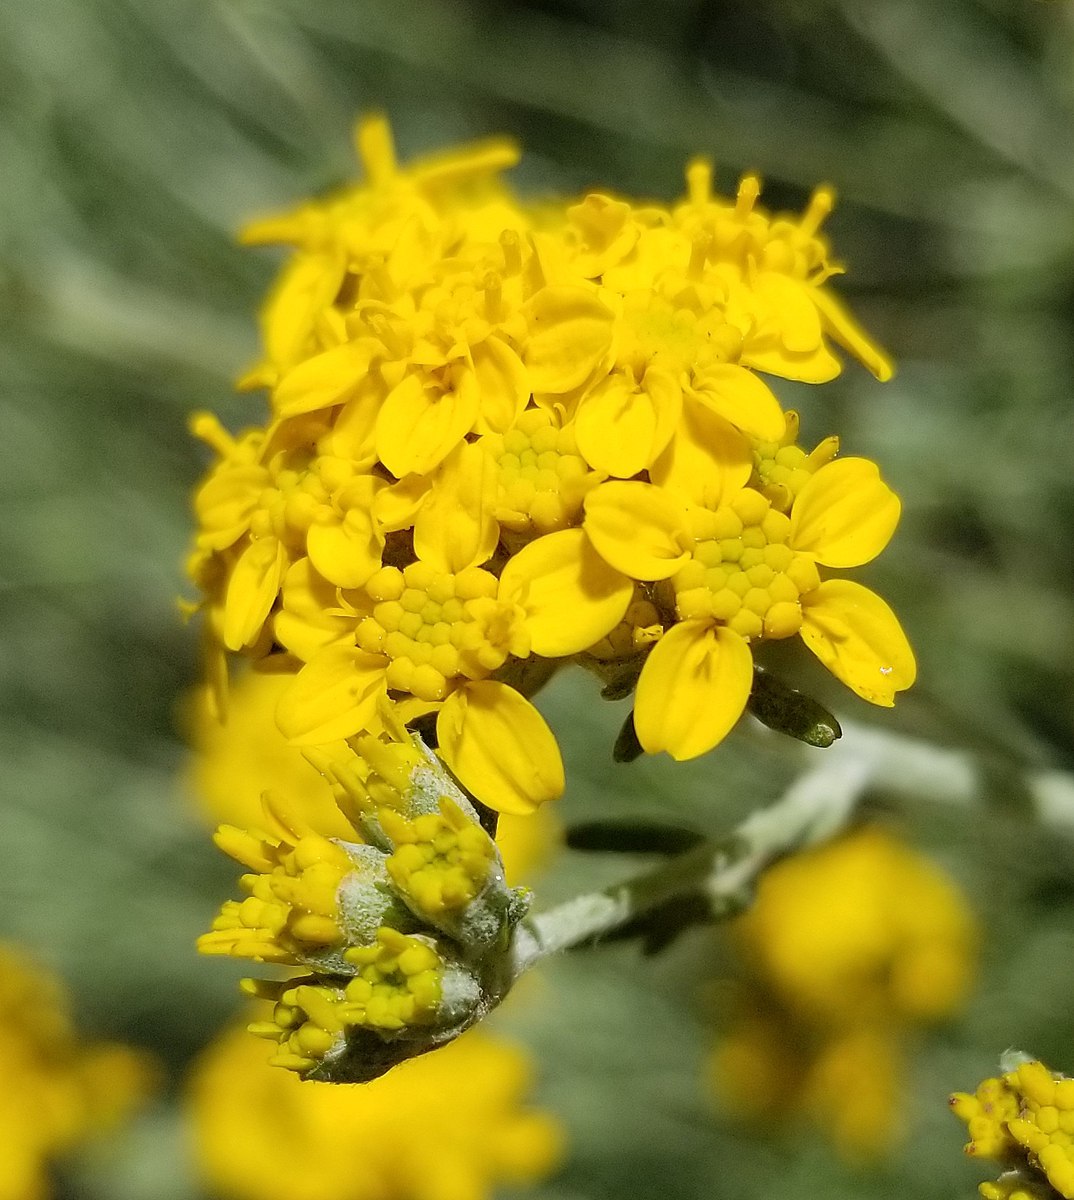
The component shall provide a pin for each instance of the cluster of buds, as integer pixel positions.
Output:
(1022, 1119)
(403, 934)
(503, 437)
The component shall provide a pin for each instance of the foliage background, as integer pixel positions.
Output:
(136, 136)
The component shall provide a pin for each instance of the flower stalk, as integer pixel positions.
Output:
(817, 806)
(722, 873)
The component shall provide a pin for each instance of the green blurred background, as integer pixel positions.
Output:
(137, 135)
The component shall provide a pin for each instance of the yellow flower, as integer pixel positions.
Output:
(452, 1124)
(236, 761)
(863, 927)
(1023, 1119)
(458, 382)
(736, 570)
(770, 1072)
(846, 949)
(57, 1091)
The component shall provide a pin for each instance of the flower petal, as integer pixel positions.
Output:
(396, 506)
(707, 461)
(789, 304)
(252, 590)
(499, 747)
(850, 335)
(615, 426)
(324, 380)
(637, 528)
(845, 514)
(456, 528)
(741, 397)
(816, 366)
(345, 546)
(310, 616)
(693, 689)
(334, 696)
(859, 639)
(306, 287)
(504, 384)
(225, 502)
(570, 595)
(353, 433)
(570, 332)
(622, 426)
(420, 423)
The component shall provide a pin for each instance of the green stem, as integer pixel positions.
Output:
(815, 808)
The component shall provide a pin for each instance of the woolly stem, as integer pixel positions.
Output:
(722, 874)
(815, 808)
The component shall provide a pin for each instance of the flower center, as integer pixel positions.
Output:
(652, 330)
(435, 628)
(542, 477)
(743, 574)
(782, 469)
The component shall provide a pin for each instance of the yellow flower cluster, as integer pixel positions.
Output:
(847, 949)
(1024, 1120)
(402, 925)
(451, 1124)
(57, 1091)
(504, 436)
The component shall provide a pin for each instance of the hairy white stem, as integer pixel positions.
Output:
(913, 769)
(723, 873)
(815, 808)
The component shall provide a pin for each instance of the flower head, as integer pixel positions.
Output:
(453, 1123)
(475, 404)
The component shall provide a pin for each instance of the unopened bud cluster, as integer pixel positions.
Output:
(403, 934)
(1023, 1119)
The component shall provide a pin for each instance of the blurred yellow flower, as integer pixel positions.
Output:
(460, 386)
(847, 949)
(771, 1070)
(452, 1125)
(55, 1090)
(863, 927)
